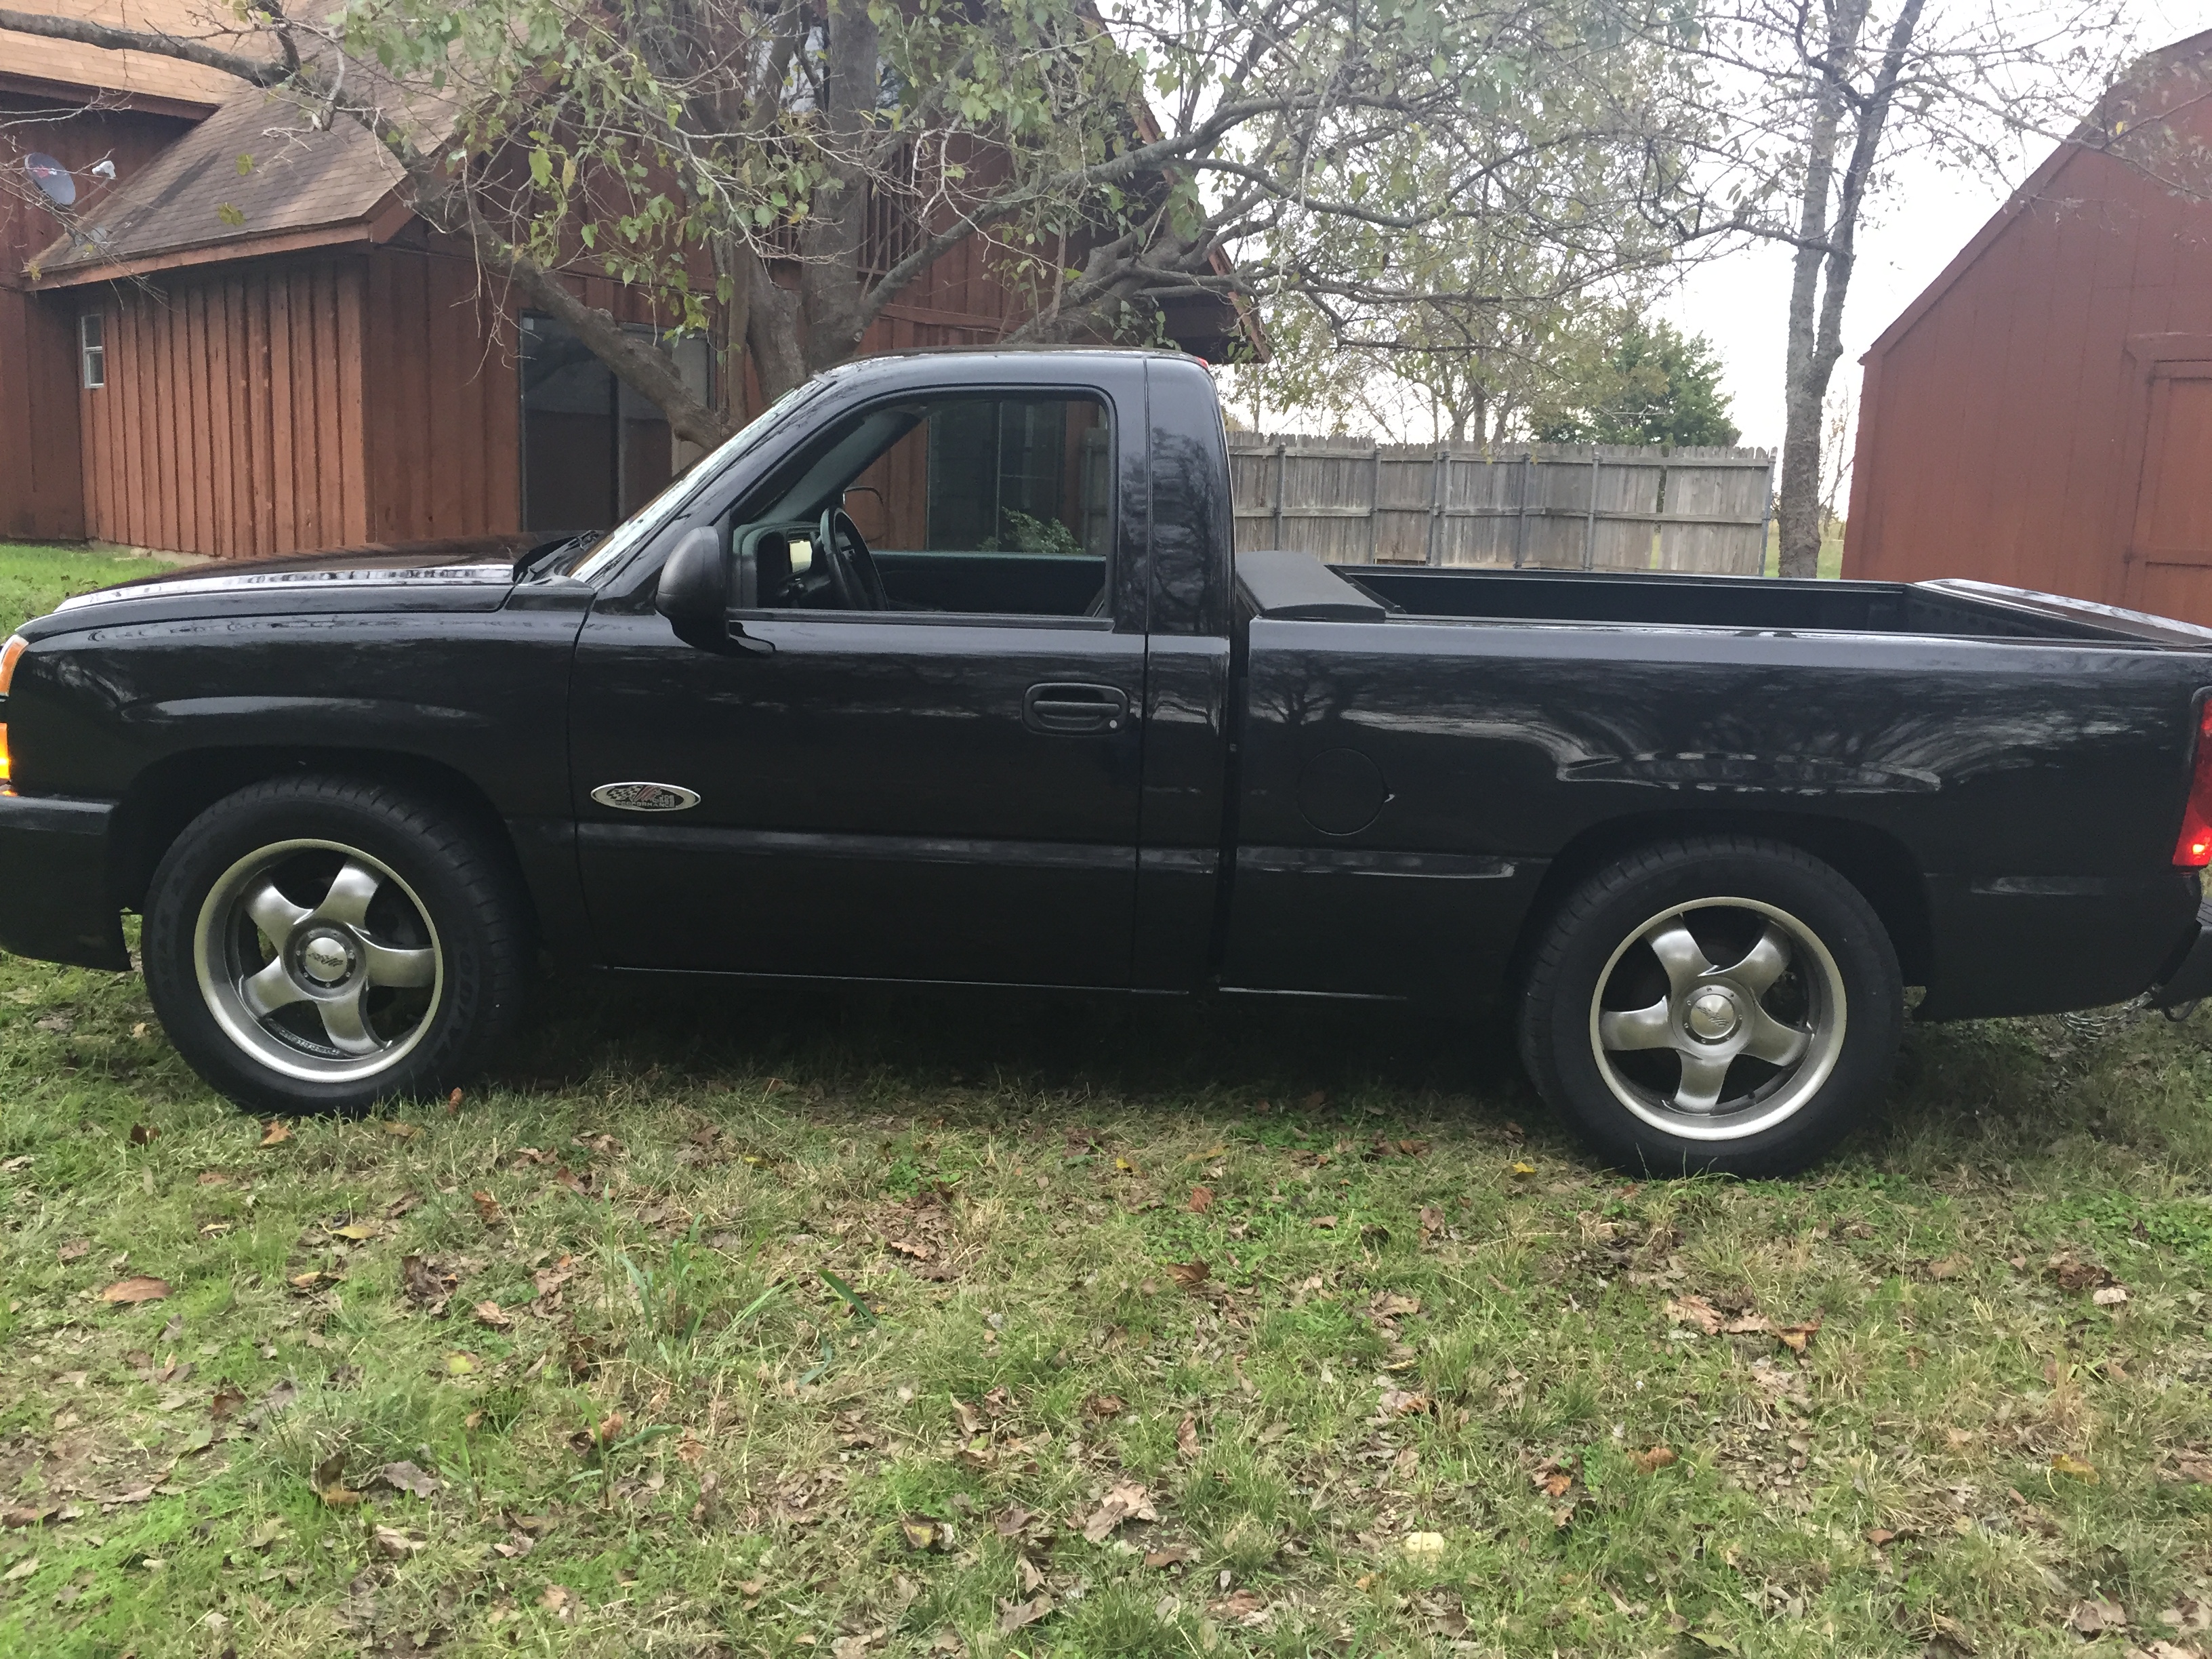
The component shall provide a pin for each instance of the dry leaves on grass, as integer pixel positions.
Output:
(488, 1209)
(492, 1316)
(1186, 1444)
(2074, 1273)
(75, 1250)
(129, 1293)
(1201, 1200)
(1125, 1501)
(2074, 1469)
(1024, 1613)
(1190, 1274)
(406, 1477)
(1651, 1461)
(275, 1132)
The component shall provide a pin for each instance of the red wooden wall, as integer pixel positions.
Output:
(2006, 417)
(232, 421)
(42, 496)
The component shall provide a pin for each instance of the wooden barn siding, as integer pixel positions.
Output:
(443, 402)
(1995, 431)
(231, 424)
(42, 491)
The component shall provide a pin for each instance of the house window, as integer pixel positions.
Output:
(594, 452)
(92, 349)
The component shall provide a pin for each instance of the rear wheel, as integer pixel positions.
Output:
(1723, 1003)
(317, 943)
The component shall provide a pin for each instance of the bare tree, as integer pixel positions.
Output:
(1813, 105)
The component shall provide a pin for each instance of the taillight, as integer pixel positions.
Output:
(2193, 851)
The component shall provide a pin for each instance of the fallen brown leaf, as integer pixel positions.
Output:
(559, 1601)
(75, 1250)
(1651, 1461)
(488, 1209)
(1201, 1200)
(405, 1477)
(1175, 1555)
(1125, 1501)
(1949, 1267)
(920, 1535)
(1187, 1438)
(1103, 1405)
(2066, 1464)
(391, 1541)
(399, 1131)
(276, 1132)
(489, 1313)
(1324, 1222)
(1026, 1613)
(227, 1399)
(2095, 1617)
(1190, 1274)
(1796, 1337)
(143, 1136)
(128, 1292)
(1695, 1310)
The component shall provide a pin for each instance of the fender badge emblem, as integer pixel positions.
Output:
(646, 796)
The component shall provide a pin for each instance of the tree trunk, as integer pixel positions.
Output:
(830, 284)
(1805, 377)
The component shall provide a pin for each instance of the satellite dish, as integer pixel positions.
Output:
(51, 177)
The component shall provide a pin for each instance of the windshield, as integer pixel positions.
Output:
(591, 558)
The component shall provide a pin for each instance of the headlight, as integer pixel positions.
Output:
(10, 654)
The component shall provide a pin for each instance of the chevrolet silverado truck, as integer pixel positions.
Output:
(943, 670)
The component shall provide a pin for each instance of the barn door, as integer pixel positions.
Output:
(2169, 570)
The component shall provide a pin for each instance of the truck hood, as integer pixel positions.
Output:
(463, 573)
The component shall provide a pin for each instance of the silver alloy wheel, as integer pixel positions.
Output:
(318, 961)
(1712, 1019)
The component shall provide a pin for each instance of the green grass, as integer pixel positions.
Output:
(35, 578)
(822, 1323)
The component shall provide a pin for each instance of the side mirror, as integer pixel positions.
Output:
(695, 589)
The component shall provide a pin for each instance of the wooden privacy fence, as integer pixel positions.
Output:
(1553, 507)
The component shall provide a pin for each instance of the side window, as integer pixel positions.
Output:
(995, 505)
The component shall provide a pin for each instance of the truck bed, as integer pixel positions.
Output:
(1948, 609)
(2005, 769)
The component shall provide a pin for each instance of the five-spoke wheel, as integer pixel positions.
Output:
(321, 943)
(319, 958)
(1719, 1051)
(1720, 1002)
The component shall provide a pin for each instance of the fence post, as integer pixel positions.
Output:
(1439, 493)
(1375, 509)
(1765, 522)
(1282, 450)
(1520, 513)
(1589, 525)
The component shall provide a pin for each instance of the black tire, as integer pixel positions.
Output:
(1602, 1059)
(423, 890)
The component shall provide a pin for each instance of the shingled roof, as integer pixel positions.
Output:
(129, 75)
(253, 169)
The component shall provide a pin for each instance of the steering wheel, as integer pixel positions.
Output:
(853, 575)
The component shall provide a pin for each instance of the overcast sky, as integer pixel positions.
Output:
(1738, 302)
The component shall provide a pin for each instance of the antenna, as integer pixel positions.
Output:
(51, 178)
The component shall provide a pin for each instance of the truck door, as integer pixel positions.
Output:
(944, 789)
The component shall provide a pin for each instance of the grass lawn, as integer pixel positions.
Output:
(729, 1321)
(35, 578)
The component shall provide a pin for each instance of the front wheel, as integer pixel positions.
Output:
(318, 943)
(1722, 1003)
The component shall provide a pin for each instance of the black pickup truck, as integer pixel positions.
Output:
(1696, 836)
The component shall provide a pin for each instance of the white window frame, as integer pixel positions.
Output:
(91, 351)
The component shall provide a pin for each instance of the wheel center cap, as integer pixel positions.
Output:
(326, 959)
(1712, 1016)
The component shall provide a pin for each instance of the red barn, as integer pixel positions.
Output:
(2042, 414)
